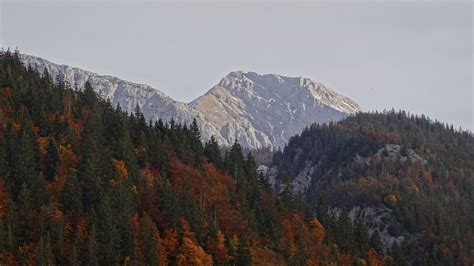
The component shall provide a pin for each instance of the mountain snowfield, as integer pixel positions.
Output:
(259, 111)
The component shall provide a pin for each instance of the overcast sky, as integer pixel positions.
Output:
(415, 56)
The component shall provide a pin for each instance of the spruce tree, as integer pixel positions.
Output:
(235, 161)
(3, 161)
(361, 236)
(25, 214)
(51, 160)
(92, 247)
(344, 233)
(375, 242)
(213, 153)
(243, 256)
(108, 237)
(71, 198)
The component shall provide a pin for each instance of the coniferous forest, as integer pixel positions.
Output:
(415, 174)
(84, 183)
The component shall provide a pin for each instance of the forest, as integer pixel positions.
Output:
(419, 171)
(84, 183)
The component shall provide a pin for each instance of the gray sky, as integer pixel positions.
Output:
(415, 56)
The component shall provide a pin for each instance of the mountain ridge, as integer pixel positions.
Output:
(277, 107)
(229, 110)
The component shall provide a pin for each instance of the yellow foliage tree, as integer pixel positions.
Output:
(190, 252)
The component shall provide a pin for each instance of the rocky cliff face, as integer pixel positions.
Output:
(153, 103)
(266, 110)
(258, 110)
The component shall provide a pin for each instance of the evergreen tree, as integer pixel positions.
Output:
(23, 159)
(46, 256)
(344, 233)
(149, 234)
(92, 247)
(250, 167)
(71, 198)
(25, 214)
(88, 97)
(243, 256)
(3, 161)
(51, 160)
(397, 255)
(108, 236)
(234, 162)
(375, 242)
(213, 153)
(195, 130)
(361, 236)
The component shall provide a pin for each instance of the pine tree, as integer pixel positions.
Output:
(71, 198)
(195, 130)
(75, 258)
(213, 153)
(344, 233)
(108, 236)
(234, 162)
(250, 167)
(23, 152)
(25, 214)
(88, 97)
(3, 161)
(243, 256)
(124, 150)
(361, 236)
(51, 160)
(92, 190)
(397, 254)
(94, 162)
(149, 233)
(92, 247)
(375, 242)
(196, 145)
(46, 256)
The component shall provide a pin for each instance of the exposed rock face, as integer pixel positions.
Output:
(153, 103)
(258, 110)
(376, 219)
(266, 110)
(392, 152)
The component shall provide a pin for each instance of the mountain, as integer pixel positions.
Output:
(407, 178)
(259, 111)
(153, 103)
(266, 110)
(83, 183)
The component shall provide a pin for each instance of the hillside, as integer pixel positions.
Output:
(85, 183)
(407, 178)
(153, 103)
(260, 111)
(266, 110)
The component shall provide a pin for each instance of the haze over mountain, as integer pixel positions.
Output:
(259, 111)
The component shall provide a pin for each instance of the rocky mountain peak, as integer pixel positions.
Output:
(257, 110)
(268, 109)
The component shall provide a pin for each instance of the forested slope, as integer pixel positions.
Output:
(407, 178)
(84, 183)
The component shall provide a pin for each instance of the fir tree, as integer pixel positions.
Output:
(71, 198)
(243, 256)
(213, 153)
(51, 160)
